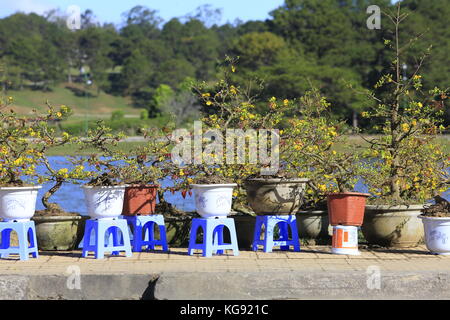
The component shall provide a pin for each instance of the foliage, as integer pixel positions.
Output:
(324, 42)
(410, 167)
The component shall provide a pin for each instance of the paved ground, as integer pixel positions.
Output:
(313, 258)
(253, 275)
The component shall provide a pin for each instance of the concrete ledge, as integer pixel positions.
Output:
(230, 286)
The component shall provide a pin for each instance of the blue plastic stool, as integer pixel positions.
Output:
(103, 229)
(212, 236)
(141, 224)
(269, 242)
(25, 232)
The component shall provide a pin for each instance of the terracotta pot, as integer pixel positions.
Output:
(393, 226)
(275, 196)
(139, 199)
(346, 208)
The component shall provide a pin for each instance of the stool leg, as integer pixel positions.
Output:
(22, 236)
(86, 239)
(6, 242)
(151, 235)
(233, 237)
(116, 239)
(33, 241)
(208, 240)
(100, 241)
(268, 235)
(284, 234)
(163, 237)
(257, 233)
(295, 238)
(217, 239)
(126, 240)
(137, 236)
(193, 237)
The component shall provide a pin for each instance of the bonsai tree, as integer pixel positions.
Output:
(228, 107)
(318, 148)
(410, 165)
(44, 139)
(105, 166)
(150, 163)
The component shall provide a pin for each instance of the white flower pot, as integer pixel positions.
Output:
(213, 200)
(437, 234)
(18, 203)
(104, 202)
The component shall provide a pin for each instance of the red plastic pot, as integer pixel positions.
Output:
(139, 199)
(346, 208)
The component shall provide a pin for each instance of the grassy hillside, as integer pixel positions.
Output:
(93, 106)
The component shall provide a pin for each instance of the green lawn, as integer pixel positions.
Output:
(72, 95)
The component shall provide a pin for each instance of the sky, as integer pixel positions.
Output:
(111, 10)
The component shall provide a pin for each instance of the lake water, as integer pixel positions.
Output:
(71, 197)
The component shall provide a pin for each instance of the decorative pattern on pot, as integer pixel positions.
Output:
(104, 202)
(275, 196)
(18, 203)
(437, 234)
(213, 200)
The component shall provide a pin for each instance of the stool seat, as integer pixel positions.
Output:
(143, 232)
(26, 232)
(212, 236)
(103, 229)
(268, 242)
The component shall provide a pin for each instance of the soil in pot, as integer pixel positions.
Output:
(139, 199)
(441, 209)
(346, 208)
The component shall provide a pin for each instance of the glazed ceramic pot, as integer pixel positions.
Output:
(393, 226)
(18, 203)
(437, 234)
(213, 200)
(275, 196)
(104, 202)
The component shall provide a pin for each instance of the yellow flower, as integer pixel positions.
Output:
(205, 94)
(208, 103)
(405, 127)
(285, 102)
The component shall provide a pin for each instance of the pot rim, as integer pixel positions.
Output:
(104, 187)
(401, 207)
(214, 185)
(56, 218)
(433, 218)
(20, 188)
(278, 180)
(349, 194)
(143, 186)
(312, 212)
